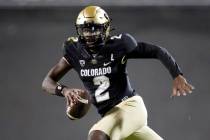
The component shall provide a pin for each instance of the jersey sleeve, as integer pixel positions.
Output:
(67, 52)
(145, 50)
(129, 42)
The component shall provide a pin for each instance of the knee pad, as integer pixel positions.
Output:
(98, 135)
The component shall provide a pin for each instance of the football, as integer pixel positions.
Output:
(81, 106)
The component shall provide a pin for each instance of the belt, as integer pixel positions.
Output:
(116, 103)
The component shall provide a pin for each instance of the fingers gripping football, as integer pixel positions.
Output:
(70, 95)
(77, 103)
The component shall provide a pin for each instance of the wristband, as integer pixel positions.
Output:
(59, 89)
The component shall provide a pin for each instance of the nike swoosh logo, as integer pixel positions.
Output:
(106, 64)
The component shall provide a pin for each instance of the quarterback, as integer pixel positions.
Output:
(100, 60)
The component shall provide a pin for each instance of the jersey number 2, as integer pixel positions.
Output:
(103, 84)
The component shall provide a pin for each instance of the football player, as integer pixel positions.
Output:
(100, 61)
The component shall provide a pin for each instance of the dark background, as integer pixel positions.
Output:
(31, 43)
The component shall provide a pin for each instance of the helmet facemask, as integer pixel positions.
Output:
(91, 33)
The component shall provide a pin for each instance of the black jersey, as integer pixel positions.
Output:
(104, 74)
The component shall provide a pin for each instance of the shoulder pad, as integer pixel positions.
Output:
(72, 39)
(116, 37)
(129, 42)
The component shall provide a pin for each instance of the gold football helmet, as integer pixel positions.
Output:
(93, 25)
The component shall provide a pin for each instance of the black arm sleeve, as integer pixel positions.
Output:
(67, 52)
(145, 50)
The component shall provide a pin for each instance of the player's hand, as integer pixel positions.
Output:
(181, 86)
(70, 95)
